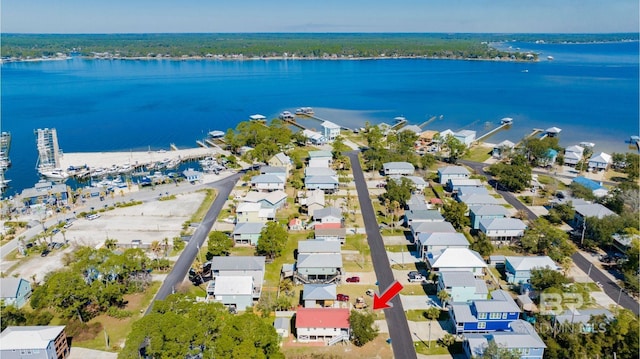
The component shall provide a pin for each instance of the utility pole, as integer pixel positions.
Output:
(584, 228)
(429, 340)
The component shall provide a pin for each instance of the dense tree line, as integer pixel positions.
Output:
(93, 281)
(265, 140)
(301, 45)
(179, 327)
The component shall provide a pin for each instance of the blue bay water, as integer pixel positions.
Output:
(591, 91)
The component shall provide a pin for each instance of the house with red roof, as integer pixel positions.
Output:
(322, 324)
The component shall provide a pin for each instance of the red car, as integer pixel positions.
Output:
(353, 280)
(342, 297)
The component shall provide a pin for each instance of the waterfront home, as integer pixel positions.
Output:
(267, 183)
(320, 158)
(484, 315)
(328, 184)
(483, 212)
(518, 268)
(328, 215)
(595, 187)
(421, 215)
(322, 295)
(600, 161)
(318, 262)
(502, 229)
(279, 171)
(586, 318)
(502, 149)
(413, 128)
(322, 324)
(455, 184)
(311, 200)
(439, 241)
(549, 158)
(583, 211)
(426, 137)
(465, 136)
(14, 291)
(281, 160)
(238, 266)
(319, 171)
(36, 342)
(331, 130)
(247, 232)
(331, 234)
(314, 137)
(191, 175)
(282, 326)
(521, 340)
(274, 199)
(46, 192)
(552, 131)
(398, 168)
(462, 286)
(234, 292)
(253, 212)
(456, 260)
(573, 155)
(430, 227)
(452, 172)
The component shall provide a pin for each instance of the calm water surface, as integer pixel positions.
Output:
(588, 90)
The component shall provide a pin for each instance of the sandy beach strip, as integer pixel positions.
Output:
(133, 158)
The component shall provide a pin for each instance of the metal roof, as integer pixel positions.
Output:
(458, 258)
(320, 260)
(234, 263)
(248, 228)
(489, 210)
(233, 285)
(319, 292)
(502, 224)
(29, 337)
(398, 166)
(526, 263)
(320, 154)
(315, 246)
(326, 212)
(450, 170)
(457, 279)
(462, 313)
(443, 239)
(267, 179)
(322, 318)
(9, 287)
(593, 210)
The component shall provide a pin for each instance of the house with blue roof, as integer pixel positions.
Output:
(595, 187)
(484, 315)
(520, 338)
(482, 212)
(549, 158)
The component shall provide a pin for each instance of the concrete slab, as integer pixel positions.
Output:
(403, 257)
(83, 353)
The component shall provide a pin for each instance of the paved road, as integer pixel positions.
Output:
(182, 265)
(611, 288)
(399, 332)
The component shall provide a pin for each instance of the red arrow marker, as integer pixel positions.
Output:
(382, 301)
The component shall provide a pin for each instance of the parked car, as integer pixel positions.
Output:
(91, 217)
(353, 280)
(45, 253)
(415, 276)
(342, 298)
(68, 225)
(369, 292)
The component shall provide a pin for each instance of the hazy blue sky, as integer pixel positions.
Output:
(113, 16)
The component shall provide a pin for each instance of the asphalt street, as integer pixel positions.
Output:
(611, 288)
(188, 255)
(399, 332)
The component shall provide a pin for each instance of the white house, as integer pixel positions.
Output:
(323, 295)
(267, 182)
(457, 260)
(437, 242)
(253, 212)
(312, 200)
(235, 292)
(320, 158)
(192, 175)
(239, 266)
(573, 155)
(398, 168)
(435, 226)
(314, 137)
(37, 342)
(452, 172)
(328, 184)
(419, 184)
(15, 291)
(331, 130)
(328, 215)
(600, 161)
(518, 268)
(322, 324)
(465, 136)
(502, 148)
(502, 229)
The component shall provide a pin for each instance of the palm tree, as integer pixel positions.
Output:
(111, 243)
(156, 248)
(444, 296)
(64, 232)
(165, 245)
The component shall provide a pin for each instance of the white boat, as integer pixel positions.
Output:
(550, 58)
(286, 115)
(54, 173)
(304, 111)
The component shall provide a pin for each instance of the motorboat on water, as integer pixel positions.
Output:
(54, 173)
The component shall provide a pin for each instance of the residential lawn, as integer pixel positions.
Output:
(419, 266)
(243, 251)
(478, 154)
(497, 273)
(356, 263)
(377, 348)
(118, 329)
(416, 315)
(506, 251)
(437, 349)
(357, 242)
(272, 275)
(392, 232)
(418, 289)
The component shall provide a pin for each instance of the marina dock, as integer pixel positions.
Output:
(504, 123)
(133, 158)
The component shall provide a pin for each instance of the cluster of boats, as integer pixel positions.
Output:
(83, 172)
(211, 165)
(5, 162)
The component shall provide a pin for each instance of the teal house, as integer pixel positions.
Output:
(14, 291)
(491, 211)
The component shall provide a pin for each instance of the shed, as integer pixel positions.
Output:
(282, 326)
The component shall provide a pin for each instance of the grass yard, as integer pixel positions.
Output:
(272, 270)
(118, 329)
(377, 348)
(243, 251)
(437, 349)
(419, 289)
(478, 153)
(204, 206)
(401, 248)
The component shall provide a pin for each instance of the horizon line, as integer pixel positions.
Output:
(320, 33)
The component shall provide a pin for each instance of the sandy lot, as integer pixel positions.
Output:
(147, 222)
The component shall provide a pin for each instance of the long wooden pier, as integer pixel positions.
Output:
(433, 118)
(486, 135)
